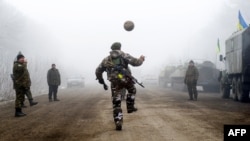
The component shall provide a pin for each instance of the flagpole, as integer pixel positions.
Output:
(217, 52)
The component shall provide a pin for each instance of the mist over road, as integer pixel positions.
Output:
(86, 114)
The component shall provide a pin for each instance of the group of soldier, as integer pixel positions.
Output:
(116, 65)
(22, 82)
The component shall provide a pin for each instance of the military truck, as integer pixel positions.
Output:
(164, 77)
(208, 77)
(177, 78)
(235, 78)
(207, 81)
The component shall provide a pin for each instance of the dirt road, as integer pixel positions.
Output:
(86, 115)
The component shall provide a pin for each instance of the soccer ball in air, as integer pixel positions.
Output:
(129, 25)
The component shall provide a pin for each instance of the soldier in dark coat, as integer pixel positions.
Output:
(191, 79)
(54, 80)
(116, 66)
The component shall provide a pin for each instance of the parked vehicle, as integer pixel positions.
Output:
(207, 81)
(164, 77)
(75, 81)
(150, 80)
(236, 76)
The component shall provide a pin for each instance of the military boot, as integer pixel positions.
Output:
(131, 109)
(130, 106)
(56, 99)
(134, 109)
(19, 113)
(32, 103)
(195, 97)
(190, 97)
(118, 125)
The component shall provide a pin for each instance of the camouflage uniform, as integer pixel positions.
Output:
(191, 78)
(54, 80)
(30, 98)
(22, 83)
(119, 82)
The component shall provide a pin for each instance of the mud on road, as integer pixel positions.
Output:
(86, 115)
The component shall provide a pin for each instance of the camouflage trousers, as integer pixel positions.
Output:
(192, 90)
(28, 95)
(116, 98)
(123, 91)
(20, 92)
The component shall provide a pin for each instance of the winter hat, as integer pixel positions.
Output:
(116, 46)
(19, 56)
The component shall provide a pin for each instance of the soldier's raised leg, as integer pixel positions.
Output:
(117, 111)
(30, 98)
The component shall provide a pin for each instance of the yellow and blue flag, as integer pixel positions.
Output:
(242, 24)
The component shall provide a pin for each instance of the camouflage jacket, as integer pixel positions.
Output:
(21, 75)
(191, 74)
(53, 77)
(107, 64)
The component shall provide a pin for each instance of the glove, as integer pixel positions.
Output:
(105, 87)
(101, 81)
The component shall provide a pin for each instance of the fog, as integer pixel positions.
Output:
(77, 34)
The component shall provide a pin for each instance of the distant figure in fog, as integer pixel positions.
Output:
(54, 80)
(191, 79)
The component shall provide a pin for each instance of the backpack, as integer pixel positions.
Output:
(118, 67)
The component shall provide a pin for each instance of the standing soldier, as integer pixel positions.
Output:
(190, 80)
(28, 92)
(54, 80)
(22, 83)
(116, 66)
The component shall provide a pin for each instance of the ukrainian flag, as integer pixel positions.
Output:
(242, 24)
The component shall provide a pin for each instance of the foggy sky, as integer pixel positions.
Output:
(166, 32)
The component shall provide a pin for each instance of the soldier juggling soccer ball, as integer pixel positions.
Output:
(116, 66)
